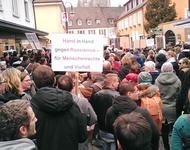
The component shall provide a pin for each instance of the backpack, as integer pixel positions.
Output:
(154, 106)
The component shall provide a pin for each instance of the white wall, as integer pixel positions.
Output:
(109, 31)
(7, 13)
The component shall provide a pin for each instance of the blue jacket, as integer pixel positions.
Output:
(181, 133)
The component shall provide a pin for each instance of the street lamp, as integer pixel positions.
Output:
(68, 11)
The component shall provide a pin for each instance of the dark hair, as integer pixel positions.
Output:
(43, 76)
(13, 115)
(125, 87)
(65, 83)
(133, 132)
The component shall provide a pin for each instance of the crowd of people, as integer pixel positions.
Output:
(142, 96)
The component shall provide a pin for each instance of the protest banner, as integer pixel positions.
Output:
(33, 40)
(73, 52)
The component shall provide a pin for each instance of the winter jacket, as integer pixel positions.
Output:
(123, 105)
(20, 144)
(181, 133)
(60, 123)
(101, 101)
(169, 86)
(150, 99)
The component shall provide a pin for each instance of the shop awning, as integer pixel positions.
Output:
(15, 28)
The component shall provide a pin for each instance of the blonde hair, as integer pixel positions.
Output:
(12, 78)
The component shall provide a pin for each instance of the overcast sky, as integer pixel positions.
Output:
(113, 2)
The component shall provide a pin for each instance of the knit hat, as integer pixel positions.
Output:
(161, 57)
(145, 77)
(132, 77)
(167, 67)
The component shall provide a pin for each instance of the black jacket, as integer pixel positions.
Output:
(60, 123)
(123, 105)
(101, 101)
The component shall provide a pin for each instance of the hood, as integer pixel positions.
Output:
(52, 100)
(149, 91)
(122, 104)
(167, 78)
(21, 144)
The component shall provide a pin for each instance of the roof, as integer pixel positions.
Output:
(95, 13)
(125, 13)
(47, 1)
(15, 28)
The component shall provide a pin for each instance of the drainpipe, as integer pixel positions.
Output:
(34, 14)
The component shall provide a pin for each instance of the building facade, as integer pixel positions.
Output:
(50, 16)
(95, 21)
(175, 32)
(16, 18)
(94, 3)
(130, 25)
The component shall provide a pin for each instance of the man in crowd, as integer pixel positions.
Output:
(61, 125)
(66, 83)
(133, 132)
(16, 125)
(101, 101)
(125, 104)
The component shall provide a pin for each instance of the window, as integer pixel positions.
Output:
(130, 21)
(26, 10)
(137, 2)
(131, 4)
(71, 32)
(89, 22)
(1, 6)
(70, 23)
(97, 21)
(139, 17)
(110, 20)
(134, 20)
(126, 23)
(15, 8)
(80, 32)
(91, 32)
(79, 22)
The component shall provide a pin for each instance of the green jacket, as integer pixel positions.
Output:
(181, 133)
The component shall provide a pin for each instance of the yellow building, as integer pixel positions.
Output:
(172, 33)
(49, 16)
(131, 25)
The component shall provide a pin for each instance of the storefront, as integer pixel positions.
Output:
(12, 36)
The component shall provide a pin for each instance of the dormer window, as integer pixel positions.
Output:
(70, 23)
(110, 20)
(79, 22)
(89, 22)
(97, 21)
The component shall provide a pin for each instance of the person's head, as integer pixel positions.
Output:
(17, 120)
(43, 61)
(149, 66)
(65, 83)
(12, 78)
(184, 63)
(25, 81)
(133, 77)
(161, 58)
(133, 132)
(129, 89)
(144, 78)
(111, 81)
(43, 76)
(167, 67)
(107, 67)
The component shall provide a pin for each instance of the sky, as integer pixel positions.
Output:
(113, 2)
